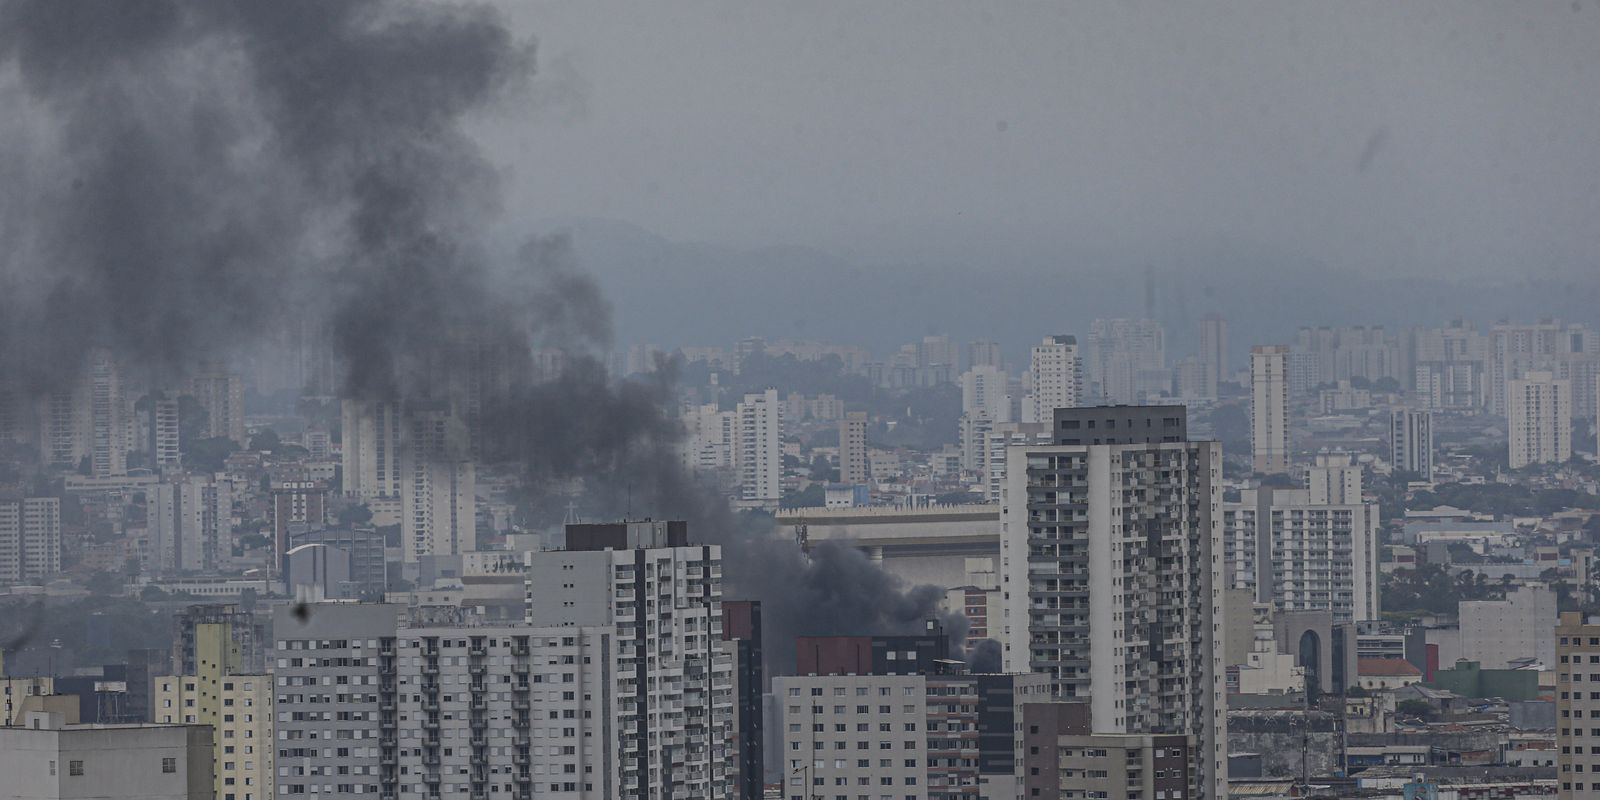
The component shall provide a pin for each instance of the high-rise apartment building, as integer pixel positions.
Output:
(1269, 408)
(1062, 757)
(336, 694)
(1411, 441)
(370, 449)
(1057, 371)
(898, 724)
(759, 433)
(438, 491)
(236, 705)
(109, 417)
(710, 441)
(1539, 417)
(1302, 552)
(220, 392)
(674, 684)
(30, 539)
(853, 449)
(163, 443)
(1126, 361)
(63, 428)
(1113, 576)
(189, 522)
(297, 506)
(1213, 352)
(1333, 479)
(1577, 706)
(741, 641)
(1002, 435)
(985, 393)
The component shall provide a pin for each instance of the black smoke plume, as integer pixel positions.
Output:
(177, 177)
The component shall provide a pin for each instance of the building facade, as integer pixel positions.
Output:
(1411, 441)
(759, 436)
(30, 539)
(1057, 371)
(1269, 409)
(674, 682)
(1112, 569)
(1539, 419)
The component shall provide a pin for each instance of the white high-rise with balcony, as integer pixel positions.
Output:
(760, 449)
(1539, 416)
(1057, 371)
(1112, 570)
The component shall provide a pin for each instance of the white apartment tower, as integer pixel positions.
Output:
(30, 539)
(1539, 416)
(1269, 408)
(1057, 371)
(1113, 576)
(1334, 480)
(1411, 441)
(370, 449)
(674, 684)
(760, 449)
(708, 444)
(853, 449)
(438, 488)
(984, 393)
(1312, 549)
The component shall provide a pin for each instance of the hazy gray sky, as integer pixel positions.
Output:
(1418, 137)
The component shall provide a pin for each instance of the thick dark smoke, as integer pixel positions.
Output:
(180, 176)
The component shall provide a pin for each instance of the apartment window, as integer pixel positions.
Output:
(169, 765)
(74, 768)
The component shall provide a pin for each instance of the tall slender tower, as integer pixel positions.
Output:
(1213, 352)
(1269, 408)
(1111, 542)
(1057, 370)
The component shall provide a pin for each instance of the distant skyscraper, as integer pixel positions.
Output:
(1057, 371)
(1213, 352)
(220, 392)
(1114, 575)
(438, 486)
(853, 448)
(109, 422)
(1539, 416)
(1269, 408)
(1411, 441)
(760, 448)
(163, 431)
(371, 449)
(984, 353)
(1126, 361)
(297, 506)
(30, 539)
(984, 393)
(189, 520)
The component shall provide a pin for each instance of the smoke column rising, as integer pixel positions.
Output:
(180, 175)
